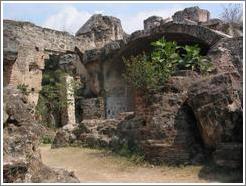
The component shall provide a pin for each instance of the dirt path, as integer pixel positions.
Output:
(91, 165)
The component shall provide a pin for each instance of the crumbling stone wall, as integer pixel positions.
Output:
(21, 157)
(21, 37)
(94, 81)
(152, 22)
(232, 49)
(102, 29)
(9, 60)
(25, 33)
(71, 63)
(92, 108)
(33, 43)
(119, 97)
(232, 29)
(27, 69)
(172, 124)
(217, 103)
(193, 13)
(165, 131)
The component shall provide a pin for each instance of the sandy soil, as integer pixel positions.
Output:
(91, 165)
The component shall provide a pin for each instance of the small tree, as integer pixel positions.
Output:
(150, 71)
(139, 71)
(232, 13)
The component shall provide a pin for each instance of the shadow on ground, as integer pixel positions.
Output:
(213, 173)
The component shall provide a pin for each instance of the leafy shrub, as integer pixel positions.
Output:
(140, 72)
(151, 71)
(24, 89)
(147, 72)
(194, 61)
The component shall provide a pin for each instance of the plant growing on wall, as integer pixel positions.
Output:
(24, 89)
(151, 71)
(192, 60)
(140, 71)
(164, 58)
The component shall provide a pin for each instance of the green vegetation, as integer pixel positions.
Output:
(24, 89)
(52, 100)
(151, 71)
(192, 60)
(131, 152)
(46, 139)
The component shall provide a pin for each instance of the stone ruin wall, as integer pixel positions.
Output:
(27, 69)
(166, 110)
(172, 116)
(94, 80)
(168, 117)
(102, 29)
(93, 108)
(25, 33)
(33, 44)
(152, 22)
(118, 93)
(193, 14)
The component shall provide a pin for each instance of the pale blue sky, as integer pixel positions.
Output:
(70, 16)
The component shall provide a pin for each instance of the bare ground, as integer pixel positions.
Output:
(92, 165)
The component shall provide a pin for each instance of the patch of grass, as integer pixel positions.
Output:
(46, 139)
(133, 154)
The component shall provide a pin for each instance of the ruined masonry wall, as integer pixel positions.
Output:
(33, 44)
(93, 108)
(27, 70)
(193, 13)
(23, 33)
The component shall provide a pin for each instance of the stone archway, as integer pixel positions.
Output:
(183, 34)
(119, 96)
(205, 35)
